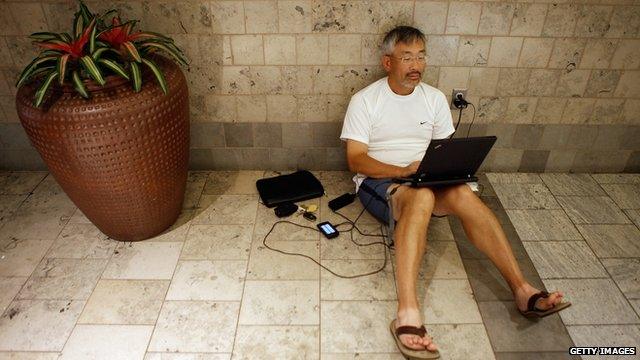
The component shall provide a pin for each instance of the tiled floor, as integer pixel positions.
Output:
(209, 289)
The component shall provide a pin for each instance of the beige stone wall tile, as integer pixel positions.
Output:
(394, 13)
(430, 16)
(220, 108)
(505, 51)
(281, 108)
(598, 53)
(227, 17)
(358, 77)
(235, 80)
(362, 16)
(607, 111)
(442, 50)
(311, 108)
(629, 85)
(371, 52)
(252, 108)
(328, 79)
(528, 19)
(561, 20)
(496, 18)
(345, 17)
(261, 16)
(294, 16)
(337, 107)
(304, 78)
(543, 82)
(197, 110)
(128, 10)
(453, 77)
(520, 110)
(625, 22)
(549, 110)
(631, 112)
(573, 83)
(577, 111)
(431, 75)
(602, 83)
(204, 78)
(271, 80)
(627, 56)
(463, 18)
(491, 109)
(513, 82)
(483, 81)
(227, 55)
(289, 79)
(345, 49)
(58, 14)
(473, 51)
(27, 18)
(177, 17)
(567, 53)
(5, 57)
(21, 49)
(593, 21)
(247, 49)
(312, 49)
(279, 49)
(535, 52)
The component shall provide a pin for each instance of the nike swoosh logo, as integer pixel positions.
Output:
(423, 122)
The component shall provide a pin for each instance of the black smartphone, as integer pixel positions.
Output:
(328, 230)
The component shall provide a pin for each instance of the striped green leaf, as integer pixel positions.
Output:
(157, 73)
(131, 49)
(84, 11)
(66, 37)
(92, 69)
(78, 26)
(92, 40)
(62, 67)
(98, 53)
(79, 85)
(33, 65)
(44, 36)
(44, 87)
(113, 66)
(171, 50)
(136, 75)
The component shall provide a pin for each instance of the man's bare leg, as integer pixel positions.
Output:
(484, 231)
(412, 209)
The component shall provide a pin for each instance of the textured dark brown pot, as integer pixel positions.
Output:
(120, 156)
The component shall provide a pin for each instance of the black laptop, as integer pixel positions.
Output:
(451, 161)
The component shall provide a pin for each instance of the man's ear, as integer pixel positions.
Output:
(386, 62)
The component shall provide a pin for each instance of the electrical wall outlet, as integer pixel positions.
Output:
(456, 92)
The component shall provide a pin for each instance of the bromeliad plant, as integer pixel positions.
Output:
(94, 51)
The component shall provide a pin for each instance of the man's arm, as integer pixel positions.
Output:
(362, 163)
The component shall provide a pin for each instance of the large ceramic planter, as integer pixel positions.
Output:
(121, 156)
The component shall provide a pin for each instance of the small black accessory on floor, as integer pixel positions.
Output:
(341, 201)
(298, 186)
(309, 216)
(286, 209)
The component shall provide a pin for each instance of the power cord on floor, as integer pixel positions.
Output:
(352, 227)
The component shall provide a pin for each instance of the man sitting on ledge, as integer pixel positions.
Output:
(387, 128)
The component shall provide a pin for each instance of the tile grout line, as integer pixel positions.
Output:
(184, 240)
(526, 251)
(246, 271)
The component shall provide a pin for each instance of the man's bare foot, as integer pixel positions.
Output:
(411, 317)
(525, 292)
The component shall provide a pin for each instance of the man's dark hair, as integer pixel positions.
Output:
(403, 34)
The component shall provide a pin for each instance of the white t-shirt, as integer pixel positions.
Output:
(396, 128)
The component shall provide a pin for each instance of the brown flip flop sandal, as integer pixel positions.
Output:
(407, 352)
(534, 312)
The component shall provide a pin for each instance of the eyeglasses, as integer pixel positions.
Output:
(406, 60)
